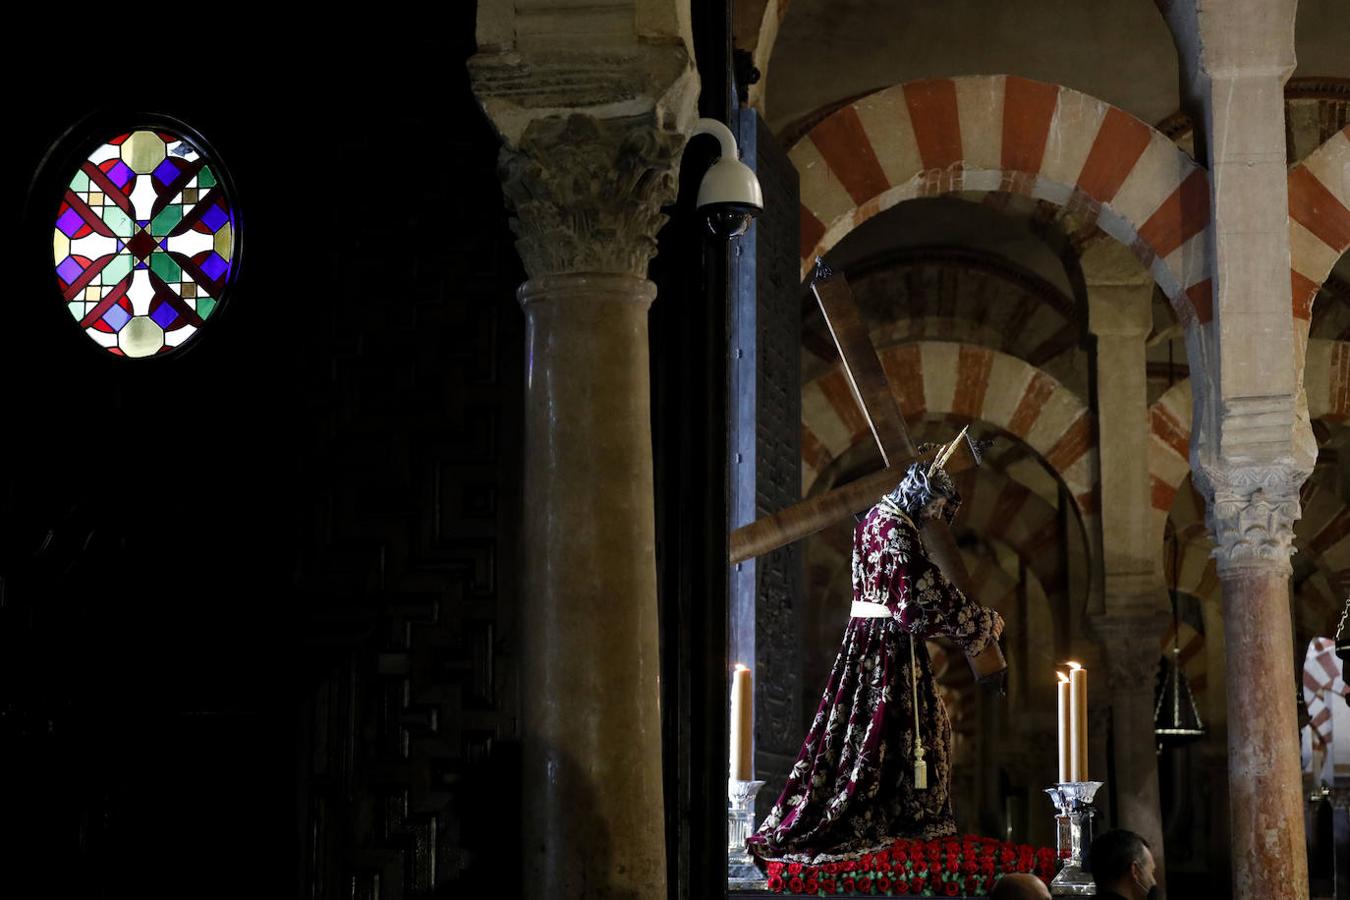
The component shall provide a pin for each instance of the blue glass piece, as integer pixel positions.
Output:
(69, 223)
(120, 174)
(69, 270)
(116, 317)
(164, 315)
(214, 218)
(166, 172)
(215, 266)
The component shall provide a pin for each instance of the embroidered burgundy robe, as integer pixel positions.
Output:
(851, 790)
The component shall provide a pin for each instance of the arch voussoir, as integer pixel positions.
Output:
(1006, 133)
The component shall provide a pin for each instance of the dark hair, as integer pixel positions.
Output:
(1113, 853)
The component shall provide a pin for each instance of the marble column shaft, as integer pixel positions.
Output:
(590, 655)
(1251, 515)
(1264, 781)
(593, 109)
(586, 193)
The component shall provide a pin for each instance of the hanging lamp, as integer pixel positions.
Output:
(1176, 719)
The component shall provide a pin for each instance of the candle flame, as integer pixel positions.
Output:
(1074, 665)
(1063, 679)
(742, 667)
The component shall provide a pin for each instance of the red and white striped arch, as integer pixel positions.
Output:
(1326, 379)
(1169, 451)
(967, 382)
(1319, 219)
(1011, 134)
(1324, 685)
(1000, 508)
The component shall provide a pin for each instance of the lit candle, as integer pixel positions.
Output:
(1078, 735)
(742, 702)
(1065, 727)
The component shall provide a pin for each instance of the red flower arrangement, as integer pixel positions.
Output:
(967, 866)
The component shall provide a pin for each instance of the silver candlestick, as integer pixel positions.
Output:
(741, 869)
(1073, 799)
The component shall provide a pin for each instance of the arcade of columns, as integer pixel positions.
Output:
(592, 140)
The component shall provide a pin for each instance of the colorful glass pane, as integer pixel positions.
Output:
(144, 243)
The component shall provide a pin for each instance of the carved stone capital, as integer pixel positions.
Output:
(593, 104)
(587, 193)
(1131, 649)
(1251, 513)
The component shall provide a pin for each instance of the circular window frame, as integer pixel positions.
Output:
(52, 178)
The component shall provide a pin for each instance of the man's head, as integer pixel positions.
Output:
(926, 496)
(1122, 862)
(1020, 886)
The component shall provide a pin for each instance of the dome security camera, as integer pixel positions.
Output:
(729, 195)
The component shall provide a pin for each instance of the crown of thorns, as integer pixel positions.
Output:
(925, 481)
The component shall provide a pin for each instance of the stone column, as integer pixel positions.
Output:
(1130, 647)
(1252, 511)
(587, 195)
(1251, 442)
(593, 108)
(1120, 316)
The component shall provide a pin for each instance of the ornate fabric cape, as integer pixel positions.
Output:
(851, 790)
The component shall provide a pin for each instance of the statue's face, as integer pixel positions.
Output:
(934, 507)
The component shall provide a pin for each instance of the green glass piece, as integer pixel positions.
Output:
(168, 217)
(117, 268)
(162, 264)
(206, 178)
(204, 306)
(118, 221)
(76, 309)
(80, 182)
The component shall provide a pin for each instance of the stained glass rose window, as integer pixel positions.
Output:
(144, 243)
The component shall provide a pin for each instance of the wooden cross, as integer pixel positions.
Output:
(872, 392)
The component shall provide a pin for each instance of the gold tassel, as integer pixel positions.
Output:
(920, 766)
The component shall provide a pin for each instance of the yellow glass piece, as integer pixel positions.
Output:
(142, 336)
(224, 241)
(93, 292)
(188, 290)
(143, 152)
(60, 245)
(96, 198)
